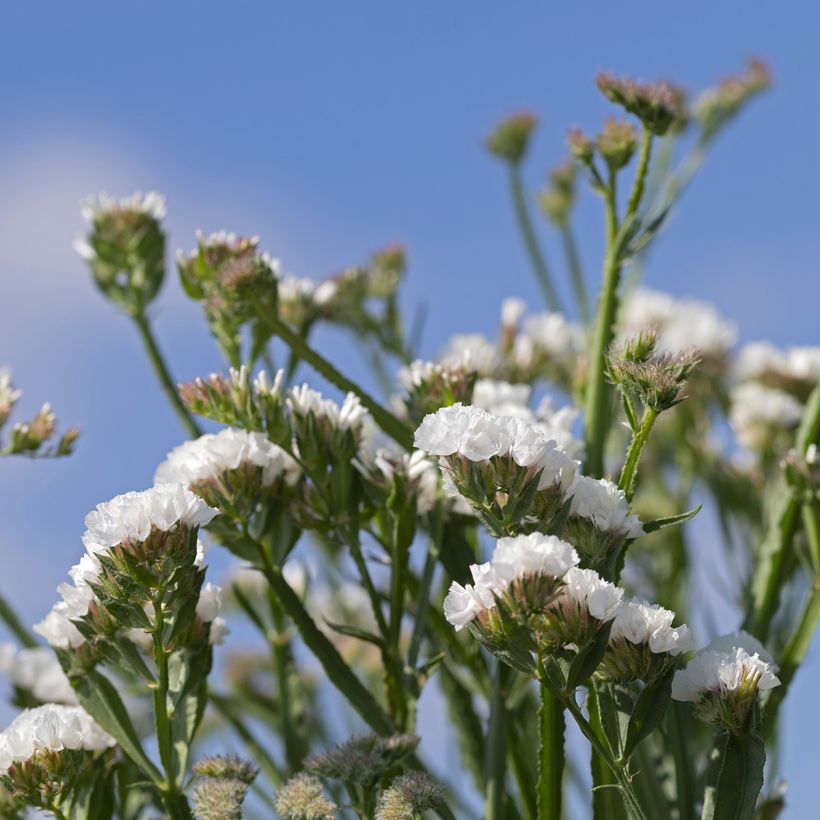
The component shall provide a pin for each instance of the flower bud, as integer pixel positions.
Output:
(125, 248)
(219, 798)
(302, 798)
(9, 395)
(409, 796)
(385, 272)
(580, 146)
(510, 139)
(617, 142)
(558, 197)
(719, 104)
(429, 386)
(659, 106)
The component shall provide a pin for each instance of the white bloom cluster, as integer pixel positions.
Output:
(8, 394)
(512, 309)
(758, 360)
(605, 505)
(551, 335)
(473, 351)
(152, 203)
(640, 622)
(57, 627)
(50, 728)
(502, 398)
(756, 411)
(592, 593)
(208, 456)
(680, 323)
(350, 416)
(417, 468)
(208, 608)
(134, 514)
(477, 435)
(726, 665)
(36, 670)
(558, 424)
(512, 559)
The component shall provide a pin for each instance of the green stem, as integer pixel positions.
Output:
(811, 523)
(606, 803)
(10, 618)
(550, 756)
(161, 370)
(172, 799)
(576, 273)
(539, 263)
(337, 671)
(638, 185)
(394, 428)
(774, 562)
(597, 398)
(633, 456)
(495, 763)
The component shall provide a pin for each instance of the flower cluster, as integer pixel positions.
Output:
(36, 673)
(427, 386)
(724, 679)
(761, 415)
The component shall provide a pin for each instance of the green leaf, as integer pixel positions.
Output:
(355, 632)
(99, 698)
(648, 712)
(670, 521)
(588, 657)
(739, 766)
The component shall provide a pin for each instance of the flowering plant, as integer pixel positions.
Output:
(359, 529)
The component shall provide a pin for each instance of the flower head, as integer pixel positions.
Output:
(36, 671)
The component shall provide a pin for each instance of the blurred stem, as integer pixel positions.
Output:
(774, 564)
(629, 472)
(639, 184)
(597, 397)
(10, 618)
(576, 272)
(810, 512)
(161, 370)
(550, 756)
(495, 767)
(539, 263)
(394, 428)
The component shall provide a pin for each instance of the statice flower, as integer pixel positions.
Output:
(134, 515)
(758, 414)
(525, 572)
(548, 346)
(427, 386)
(417, 471)
(502, 398)
(36, 671)
(475, 351)
(49, 728)
(643, 644)
(558, 424)
(723, 680)
(795, 370)
(350, 416)
(9, 395)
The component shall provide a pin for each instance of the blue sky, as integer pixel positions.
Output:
(330, 130)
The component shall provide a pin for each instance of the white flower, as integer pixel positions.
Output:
(325, 292)
(640, 622)
(134, 514)
(417, 468)
(50, 728)
(803, 363)
(558, 425)
(743, 640)
(36, 670)
(463, 603)
(605, 505)
(502, 398)
(534, 553)
(591, 592)
(472, 351)
(350, 416)
(8, 394)
(550, 334)
(297, 289)
(756, 359)
(151, 203)
(208, 456)
(58, 630)
(512, 309)
(210, 602)
(219, 631)
(757, 410)
(469, 431)
(680, 323)
(723, 668)
(57, 627)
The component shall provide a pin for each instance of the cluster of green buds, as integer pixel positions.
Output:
(660, 106)
(716, 106)
(125, 248)
(558, 197)
(222, 786)
(616, 143)
(231, 278)
(657, 381)
(510, 139)
(365, 766)
(35, 438)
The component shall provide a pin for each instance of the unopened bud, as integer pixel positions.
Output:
(302, 798)
(510, 139)
(617, 142)
(580, 145)
(409, 796)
